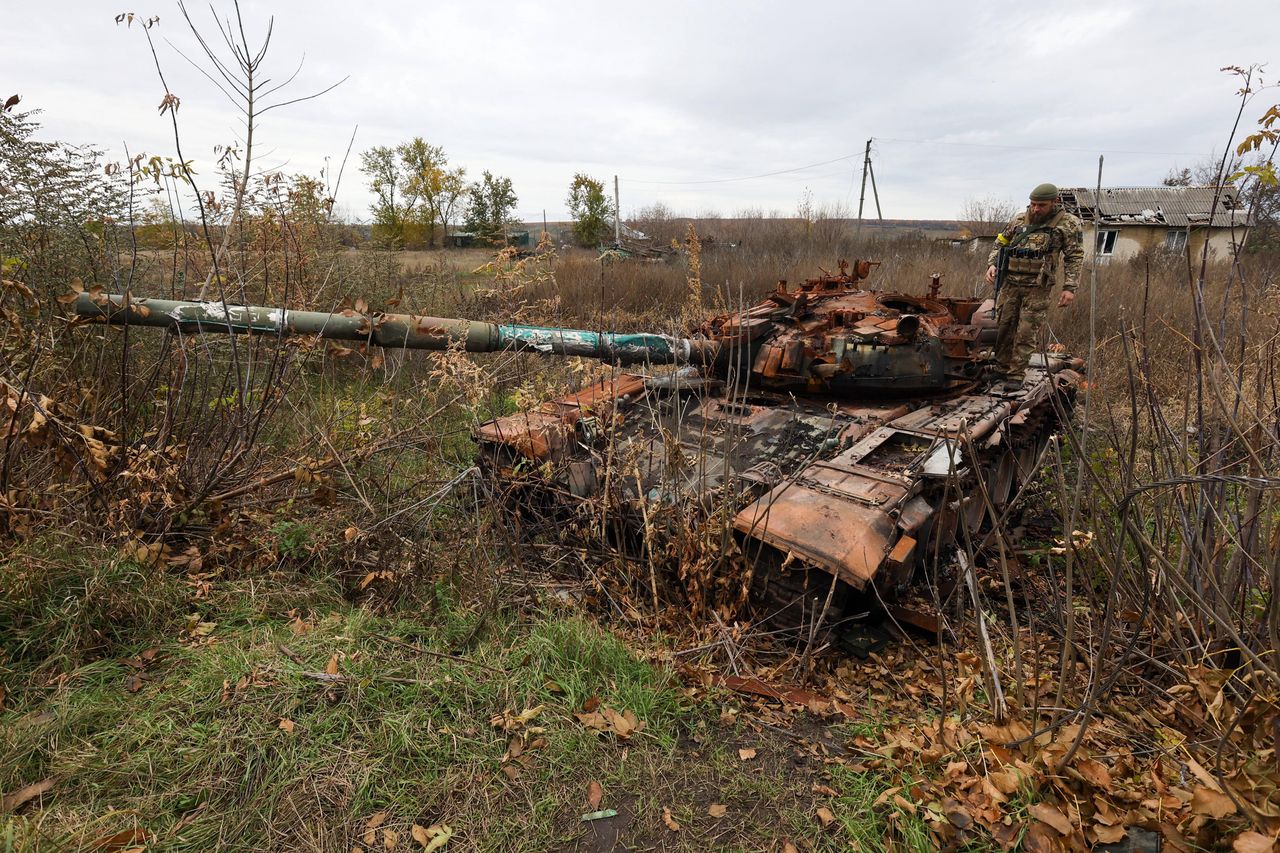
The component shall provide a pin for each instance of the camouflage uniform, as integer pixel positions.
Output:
(1023, 301)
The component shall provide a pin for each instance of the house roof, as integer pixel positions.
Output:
(1174, 207)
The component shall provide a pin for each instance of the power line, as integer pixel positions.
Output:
(752, 177)
(1035, 147)
(859, 154)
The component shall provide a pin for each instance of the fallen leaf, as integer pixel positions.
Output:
(1047, 814)
(286, 725)
(1207, 801)
(593, 720)
(120, 840)
(1252, 842)
(906, 805)
(372, 824)
(825, 790)
(595, 793)
(826, 817)
(1109, 834)
(440, 834)
(508, 721)
(623, 724)
(332, 666)
(788, 847)
(432, 838)
(351, 533)
(884, 797)
(1006, 781)
(717, 810)
(591, 704)
(746, 754)
(960, 817)
(390, 838)
(1095, 773)
(23, 795)
(1173, 838)
(1040, 839)
(669, 820)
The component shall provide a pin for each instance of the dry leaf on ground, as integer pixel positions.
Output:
(509, 721)
(669, 820)
(369, 828)
(609, 721)
(1207, 801)
(1253, 842)
(1095, 773)
(286, 725)
(117, 842)
(432, 837)
(332, 666)
(595, 793)
(1047, 814)
(746, 754)
(826, 817)
(717, 810)
(1109, 834)
(23, 795)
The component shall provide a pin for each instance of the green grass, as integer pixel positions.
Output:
(864, 826)
(196, 756)
(62, 603)
(193, 753)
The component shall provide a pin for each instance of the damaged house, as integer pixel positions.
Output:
(1126, 221)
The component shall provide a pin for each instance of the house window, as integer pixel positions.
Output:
(1175, 241)
(1107, 241)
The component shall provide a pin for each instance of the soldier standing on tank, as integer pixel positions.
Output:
(1030, 246)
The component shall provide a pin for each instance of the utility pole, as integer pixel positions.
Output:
(617, 216)
(871, 170)
(862, 194)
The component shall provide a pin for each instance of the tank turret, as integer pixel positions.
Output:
(827, 336)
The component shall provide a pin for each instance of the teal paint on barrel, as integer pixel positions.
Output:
(406, 331)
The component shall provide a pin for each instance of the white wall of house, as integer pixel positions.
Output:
(1123, 242)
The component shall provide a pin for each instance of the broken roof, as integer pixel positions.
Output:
(1173, 207)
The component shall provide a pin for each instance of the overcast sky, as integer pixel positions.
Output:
(680, 99)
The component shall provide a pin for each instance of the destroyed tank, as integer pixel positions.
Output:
(844, 435)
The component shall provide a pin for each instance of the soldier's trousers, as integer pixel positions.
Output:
(1020, 315)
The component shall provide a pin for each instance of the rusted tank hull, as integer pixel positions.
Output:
(863, 492)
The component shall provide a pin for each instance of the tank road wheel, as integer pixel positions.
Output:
(521, 498)
(1031, 454)
(1003, 476)
(790, 599)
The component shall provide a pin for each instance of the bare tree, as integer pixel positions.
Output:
(241, 78)
(986, 214)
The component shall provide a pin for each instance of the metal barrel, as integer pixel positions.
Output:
(407, 331)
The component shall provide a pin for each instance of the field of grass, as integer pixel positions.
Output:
(274, 612)
(270, 714)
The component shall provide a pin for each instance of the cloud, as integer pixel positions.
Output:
(683, 92)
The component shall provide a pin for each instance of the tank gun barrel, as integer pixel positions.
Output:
(406, 331)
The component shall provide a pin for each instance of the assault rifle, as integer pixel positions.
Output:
(1003, 248)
